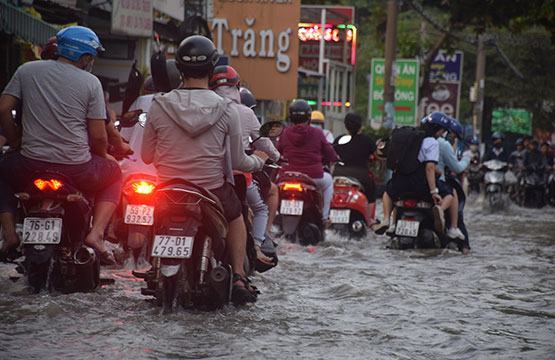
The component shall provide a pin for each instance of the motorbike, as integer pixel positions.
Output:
(56, 218)
(550, 189)
(190, 266)
(495, 185)
(300, 208)
(348, 207)
(533, 185)
(474, 176)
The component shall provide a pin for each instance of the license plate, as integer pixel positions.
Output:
(407, 228)
(42, 230)
(291, 207)
(340, 216)
(139, 215)
(168, 246)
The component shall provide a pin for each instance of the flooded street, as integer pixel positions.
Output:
(344, 299)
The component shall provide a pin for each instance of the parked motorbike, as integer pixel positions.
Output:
(56, 218)
(189, 262)
(300, 208)
(348, 207)
(550, 189)
(495, 185)
(533, 185)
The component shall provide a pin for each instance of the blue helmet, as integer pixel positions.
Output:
(456, 128)
(438, 118)
(76, 41)
(474, 141)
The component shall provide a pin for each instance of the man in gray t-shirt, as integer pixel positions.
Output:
(62, 130)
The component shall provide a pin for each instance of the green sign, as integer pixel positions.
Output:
(406, 73)
(517, 121)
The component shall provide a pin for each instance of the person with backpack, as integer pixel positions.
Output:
(412, 155)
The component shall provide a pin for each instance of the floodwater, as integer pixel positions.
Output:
(343, 299)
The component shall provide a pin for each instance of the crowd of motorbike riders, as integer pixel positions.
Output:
(204, 131)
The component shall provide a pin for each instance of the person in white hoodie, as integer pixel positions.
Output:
(225, 82)
(192, 133)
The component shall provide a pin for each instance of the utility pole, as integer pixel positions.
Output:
(390, 49)
(479, 84)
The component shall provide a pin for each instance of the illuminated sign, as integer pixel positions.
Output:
(313, 32)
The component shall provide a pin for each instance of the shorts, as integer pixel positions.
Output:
(444, 188)
(230, 202)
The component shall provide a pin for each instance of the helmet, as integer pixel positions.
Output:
(49, 50)
(456, 128)
(76, 41)
(439, 119)
(519, 141)
(299, 111)
(247, 98)
(317, 117)
(224, 75)
(497, 136)
(474, 141)
(173, 74)
(196, 52)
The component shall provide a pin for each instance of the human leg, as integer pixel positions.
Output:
(325, 185)
(272, 202)
(260, 220)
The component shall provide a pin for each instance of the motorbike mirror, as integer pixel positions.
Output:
(271, 129)
(142, 119)
(130, 118)
(345, 139)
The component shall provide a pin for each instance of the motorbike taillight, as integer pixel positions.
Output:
(292, 187)
(410, 203)
(48, 185)
(143, 187)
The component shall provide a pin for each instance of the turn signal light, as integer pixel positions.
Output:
(143, 187)
(52, 184)
(293, 187)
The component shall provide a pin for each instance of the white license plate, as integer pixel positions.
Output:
(340, 216)
(139, 215)
(407, 228)
(291, 207)
(168, 246)
(42, 230)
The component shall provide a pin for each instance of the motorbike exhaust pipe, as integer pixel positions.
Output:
(220, 282)
(219, 274)
(87, 269)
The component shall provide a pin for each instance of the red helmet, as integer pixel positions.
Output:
(224, 75)
(50, 50)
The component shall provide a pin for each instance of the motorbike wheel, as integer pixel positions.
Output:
(37, 275)
(309, 234)
(357, 228)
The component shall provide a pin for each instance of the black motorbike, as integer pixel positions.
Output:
(190, 267)
(550, 189)
(533, 185)
(56, 218)
(300, 208)
(474, 175)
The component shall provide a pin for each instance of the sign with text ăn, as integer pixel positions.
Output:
(132, 17)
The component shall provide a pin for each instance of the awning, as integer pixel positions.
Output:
(17, 22)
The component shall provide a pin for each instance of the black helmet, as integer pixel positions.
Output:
(196, 53)
(299, 111)
(247, 98)
(497, 136)
(519, 141)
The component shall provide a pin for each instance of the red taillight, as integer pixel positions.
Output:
(410, 203)
(143, 187)
(292, 186)
(52, 184)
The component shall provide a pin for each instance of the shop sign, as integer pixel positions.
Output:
(132, 17)
(405, 73)
(260, 39)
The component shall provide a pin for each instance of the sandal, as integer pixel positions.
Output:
(241, 295)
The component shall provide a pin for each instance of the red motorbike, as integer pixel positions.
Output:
(348, 213)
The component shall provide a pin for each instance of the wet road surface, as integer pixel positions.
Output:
(344, 299)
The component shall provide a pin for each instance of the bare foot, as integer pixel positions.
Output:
(95, 241)
(263, 258)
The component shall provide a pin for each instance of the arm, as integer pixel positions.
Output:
(451, 161)
(148, 147)
(7, 104)
(266, 145)
(239, 160)
(98, 137)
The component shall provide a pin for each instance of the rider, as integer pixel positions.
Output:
(355, 156)
(516, 159)
(306, 149)
(191, 133)
(317, 120)
(422, 182)
(497, 152)
(225, 82)
(63, 130)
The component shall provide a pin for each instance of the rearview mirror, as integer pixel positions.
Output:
(345, 139)
(142, 119)
(271, 129)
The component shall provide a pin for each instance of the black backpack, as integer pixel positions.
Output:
(403, 148)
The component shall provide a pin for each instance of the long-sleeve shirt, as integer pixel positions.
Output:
(447, 158)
